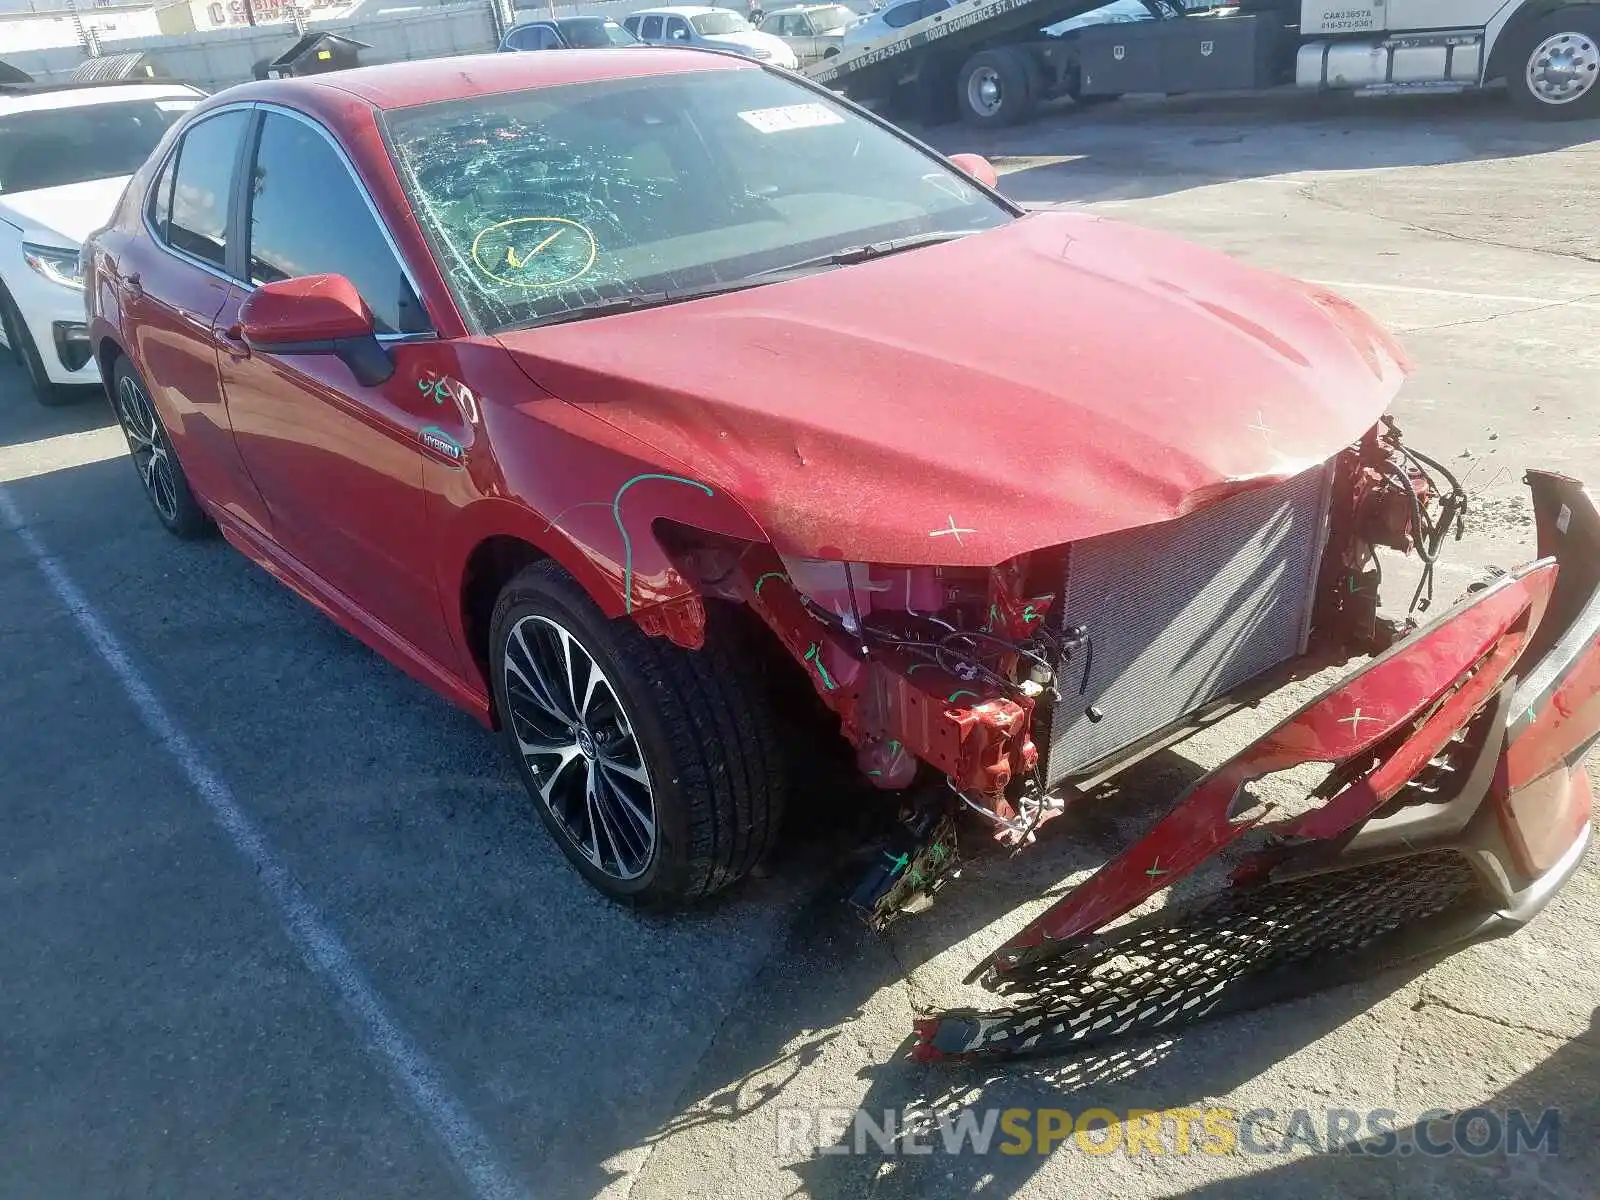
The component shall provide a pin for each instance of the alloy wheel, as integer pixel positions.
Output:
(147, 443)
(578, 743)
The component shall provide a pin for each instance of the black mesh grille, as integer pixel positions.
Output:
(1191, 960)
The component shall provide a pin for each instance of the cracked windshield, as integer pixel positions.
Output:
(546, 203)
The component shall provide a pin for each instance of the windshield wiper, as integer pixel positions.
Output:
(640, 300)
(856, 254)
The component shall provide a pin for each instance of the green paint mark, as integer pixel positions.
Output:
(994, 615)
(938, 853)
(894, 746)
(896, 864)
(915, 878)
(874, 774)
(814, 656)
(1029, 616)
(951, 698)
(627, 542)
(437, 389)
(767, 576)
(915, 667)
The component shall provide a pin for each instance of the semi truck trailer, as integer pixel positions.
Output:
(994, 62)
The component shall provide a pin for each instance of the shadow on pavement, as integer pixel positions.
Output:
(1144, 147)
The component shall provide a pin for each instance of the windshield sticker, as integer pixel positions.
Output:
(790, 116)
(534, 252)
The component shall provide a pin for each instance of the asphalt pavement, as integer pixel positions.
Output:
(279, 922)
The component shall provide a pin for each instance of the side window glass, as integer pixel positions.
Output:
(677, 29)
(632, 25)
(159, 202)
(547, 39)
(652, 29)
(199, 223)
(903, 15)
(296, 174)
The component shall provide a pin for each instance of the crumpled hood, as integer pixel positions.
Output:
(1061, 377)
(66, 215)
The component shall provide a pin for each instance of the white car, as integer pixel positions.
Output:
(812, 31)
(714, 28)
(66, 153)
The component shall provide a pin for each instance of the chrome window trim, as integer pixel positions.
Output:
(361, 190)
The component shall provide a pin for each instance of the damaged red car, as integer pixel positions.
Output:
(612, 394)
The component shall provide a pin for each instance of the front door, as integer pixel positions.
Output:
(339, 463)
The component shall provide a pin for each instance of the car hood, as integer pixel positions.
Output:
(750, 40)
(63, 216)
(1057, 378)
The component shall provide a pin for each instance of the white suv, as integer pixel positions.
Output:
(66, 153)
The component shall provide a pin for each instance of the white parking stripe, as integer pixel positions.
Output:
(324, 953)
(1584, 301)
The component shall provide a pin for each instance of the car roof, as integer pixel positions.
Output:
(431, 80)
(36, 99)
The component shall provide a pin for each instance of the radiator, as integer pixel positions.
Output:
(1182, 613)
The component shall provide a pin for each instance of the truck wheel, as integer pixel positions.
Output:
(997, 87)
(656, 769)
(1553, 68)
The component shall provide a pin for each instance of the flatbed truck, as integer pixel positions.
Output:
(992, 63)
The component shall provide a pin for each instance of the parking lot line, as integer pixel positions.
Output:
(1587, 301)
(324, 952)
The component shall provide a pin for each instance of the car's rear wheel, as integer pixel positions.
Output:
(164, 482)
(50, 394)
(656, 769)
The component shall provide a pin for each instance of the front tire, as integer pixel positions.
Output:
(656, 769)
(165, 484)
(1553, 67)
(46, 392)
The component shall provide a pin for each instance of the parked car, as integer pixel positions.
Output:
(568, 33)
(66, 152)
(639, 405)
(713, 28)
(812, 31)
(883, 21)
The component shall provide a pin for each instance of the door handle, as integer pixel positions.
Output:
(233, 343)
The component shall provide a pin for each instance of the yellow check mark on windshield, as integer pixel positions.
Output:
(516, 264)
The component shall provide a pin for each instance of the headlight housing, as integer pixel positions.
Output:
(58, 264)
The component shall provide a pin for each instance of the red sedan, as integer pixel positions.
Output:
(625, 397)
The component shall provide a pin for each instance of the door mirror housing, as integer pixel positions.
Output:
(316, 314)
(976, 166)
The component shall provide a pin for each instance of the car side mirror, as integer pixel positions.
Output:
(316, 314)
(978, 167)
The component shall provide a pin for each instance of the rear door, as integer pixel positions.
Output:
(172, 285)
(339, 463)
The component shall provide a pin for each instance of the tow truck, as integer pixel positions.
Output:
(994, 62)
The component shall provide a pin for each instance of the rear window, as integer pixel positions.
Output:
(54, 147)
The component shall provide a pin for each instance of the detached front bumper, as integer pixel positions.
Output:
(1459, 806)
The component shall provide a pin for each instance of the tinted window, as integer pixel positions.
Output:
(652, 28)
(56, 146)
(903, 15)
(308, 217)
(160, 201)
(524, 39)
(677, 28)
(200, 191)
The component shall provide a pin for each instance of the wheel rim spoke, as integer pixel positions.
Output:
(575, 738)
(147, 446)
